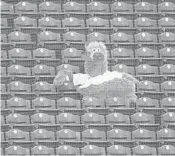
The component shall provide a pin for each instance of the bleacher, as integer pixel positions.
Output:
(40, 38)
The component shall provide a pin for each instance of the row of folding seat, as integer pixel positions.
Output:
(91, 7)
(91, 150)
(24, 21)
(68, 102)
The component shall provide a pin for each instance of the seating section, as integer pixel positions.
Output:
(39, 38)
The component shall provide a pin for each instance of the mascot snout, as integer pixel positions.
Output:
(98, 56)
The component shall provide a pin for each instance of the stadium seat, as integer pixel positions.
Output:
(145, 7)
(4, 22)
(23, 21)
(43, 87)
(97, 22)
(48, 36)
(67, 118)
(97, 7)
(118, 150)
(16, 118)
(145, 69)
(17, 86)
(18, 70)
(3, 88)
(41, 53)
(73, 37)
(73, 22)
(166, 150)
(168, 86)
(118, 135)
(121, 37)
(71, 53)
(3, 104)
(166, 134)
(18, 103)
(3, 71)
(116, 102)
(92, 118)
(43, 70)
(47, 7)
(42, 135)
(166, 22)
(18, 135)
(67, 150)
(167, 102)
(49, 22)
(121, 7)
(67, 102)
(145, 37)
(71, 6)
(25, 7)
(167, 37)
(166, 7)
(68, 135)
(92, 150)
(74, 69)
(167, 52)
(121, 22)
(92, 102)
(18, 53)
(17, 150)
(18, 36)
(144, 150)
(168, 118)
(143, 134)
(142, 118)
(66, 87)
(6, 7)
(96, 36)
(145, 52)
(122, 53)
(43, 103)
(3, 38)
(93, 134)
(2, 120)
(167, 69)
(123, 68)
(42, 150)
(147, 86)
(145, 22)
(42, 118)
(146, 102)
(3, 54)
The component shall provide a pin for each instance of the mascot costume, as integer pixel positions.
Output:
(98, 81)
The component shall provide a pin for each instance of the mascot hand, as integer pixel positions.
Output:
(62, 77)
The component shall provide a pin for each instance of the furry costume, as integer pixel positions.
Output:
(98, 81)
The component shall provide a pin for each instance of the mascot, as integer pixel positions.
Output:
(97, 81)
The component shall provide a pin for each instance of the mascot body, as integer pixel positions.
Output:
(98, 82)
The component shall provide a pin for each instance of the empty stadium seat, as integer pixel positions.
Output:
(93, 150)
(96, 36)
(92, 102)
(145, 37)
(3, 104)
(118, 150)
(74, 69)
(92, 118)
(43, 103)
(168, 86)
(144, 150)
(145, 69)
(97, 7)
(97, 22)
(23, 21)
(166, 7)
(68, 135)
(121, 37)
(6, 7)
(73, 37)
(73, 22)
(42, 118)
(25, 6)
(167, 69)
(3, 71)
(17, 86)
(168, 118)
(145, 52)
(3, 88)
(166, 134)
(123, 68)
(122, 53)
(121, 7)
(71, 53)
(41, 53)
(147, 86)
(3, 38)
(47, 7)
(93, 134)
(18, 70)
(145, 7)
(18, 36)
(167, 102)
(145, 22)
(18, 103)
(42, 150)
(17, 150)
(18, 53)
(43, 70)
(166, 22)
(16, 118)
(167, 52)
(117, 118)
(67, 150)
(166, 150)
(116, 102)
(49, 22)
(167, 37)
(67, 118)
(73, 7)
(146, 102)
(43, 87)
(3, 54)
(121, 22)
(18, 135)
(42, 134)
(4, 22)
